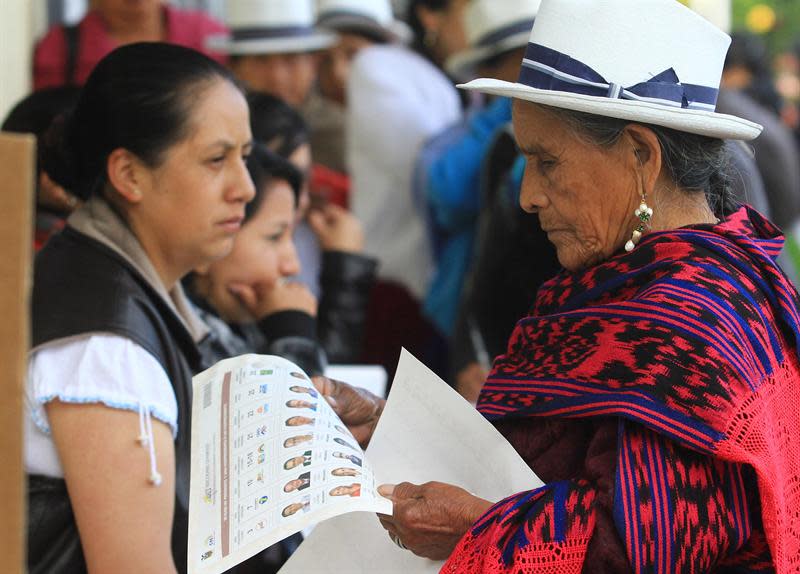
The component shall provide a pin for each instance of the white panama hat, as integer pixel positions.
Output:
(270, 27)
(492, 27)
(370, 17)
(648, 61)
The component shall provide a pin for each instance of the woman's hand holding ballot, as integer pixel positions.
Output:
(428, 519)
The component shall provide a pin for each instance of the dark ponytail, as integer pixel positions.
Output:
(139, 98)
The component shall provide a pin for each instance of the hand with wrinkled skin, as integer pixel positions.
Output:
(431, 518)
(358, 408)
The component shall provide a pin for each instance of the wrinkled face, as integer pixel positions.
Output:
(263, 254)
(334, 68)
(585, 195)
(193, 203)
(287, 76)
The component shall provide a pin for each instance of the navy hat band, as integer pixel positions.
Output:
(547, 69)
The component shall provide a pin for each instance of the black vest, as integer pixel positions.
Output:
(81, 286)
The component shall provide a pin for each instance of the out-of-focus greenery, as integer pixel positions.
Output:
(784, 33)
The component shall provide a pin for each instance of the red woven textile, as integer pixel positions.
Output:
(691, 344)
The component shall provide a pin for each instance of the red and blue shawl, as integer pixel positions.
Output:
(689, 345)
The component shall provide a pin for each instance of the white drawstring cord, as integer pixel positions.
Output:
(146, 440)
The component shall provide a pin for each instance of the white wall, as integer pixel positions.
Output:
(16, 47)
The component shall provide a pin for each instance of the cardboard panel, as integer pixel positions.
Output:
(17, 167)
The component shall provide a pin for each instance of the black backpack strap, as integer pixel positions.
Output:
(72, 40)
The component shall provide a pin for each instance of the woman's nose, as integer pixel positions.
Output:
(290, 263)
(242, 189)
(531, 195)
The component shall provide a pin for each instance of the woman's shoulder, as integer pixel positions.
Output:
(103, 368)
(82, 286)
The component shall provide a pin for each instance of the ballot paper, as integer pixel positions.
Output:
(427, 432)
(271, 458)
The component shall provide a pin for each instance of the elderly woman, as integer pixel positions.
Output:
(654, 385)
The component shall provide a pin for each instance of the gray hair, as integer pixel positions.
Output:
(696, 163)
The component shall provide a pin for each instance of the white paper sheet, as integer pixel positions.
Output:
(269, 457)
(370, 377)
(427, 432)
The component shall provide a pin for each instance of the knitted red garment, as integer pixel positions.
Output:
(691, 342)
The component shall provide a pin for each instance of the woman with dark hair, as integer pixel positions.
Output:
(35, 114)
(156, 149)
(247, 297)
(250, 304)
(654, 385)
(328, 238)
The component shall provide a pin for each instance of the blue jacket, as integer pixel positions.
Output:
(450, 168)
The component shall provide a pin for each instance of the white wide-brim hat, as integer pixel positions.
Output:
(492, 28)
(270, 27)
(374, 18)
(648, 61)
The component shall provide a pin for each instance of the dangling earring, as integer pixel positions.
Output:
(645, 214)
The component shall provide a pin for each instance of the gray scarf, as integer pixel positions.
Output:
(98, 220)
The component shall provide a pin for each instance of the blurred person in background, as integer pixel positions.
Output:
(358, 24)
(452, 166)
(273, 47)
(67, 54)
(329, 239)
(397, 99)
(748, 90)
(35, 114)
(748, 69)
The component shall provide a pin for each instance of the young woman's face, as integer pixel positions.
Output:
(192, 204)
(263, 253)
